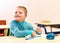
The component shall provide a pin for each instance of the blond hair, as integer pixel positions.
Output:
(24, 8)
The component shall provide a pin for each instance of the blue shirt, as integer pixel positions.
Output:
(20, 29)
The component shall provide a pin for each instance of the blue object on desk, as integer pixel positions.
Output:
(50, 36)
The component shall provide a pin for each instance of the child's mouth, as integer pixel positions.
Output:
(17, 16)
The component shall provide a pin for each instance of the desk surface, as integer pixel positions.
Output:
(11, 39)
(52, 23)
(4, 26)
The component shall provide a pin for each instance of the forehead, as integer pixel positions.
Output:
(20, 9)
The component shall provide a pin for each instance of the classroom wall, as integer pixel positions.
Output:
(38, 10)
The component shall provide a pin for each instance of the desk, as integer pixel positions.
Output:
(51, 25)
(4, 30)
(4, 26)
(11, 39)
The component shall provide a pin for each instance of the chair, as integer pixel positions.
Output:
(2, 22)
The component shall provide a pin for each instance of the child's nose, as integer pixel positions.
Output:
(17, 13)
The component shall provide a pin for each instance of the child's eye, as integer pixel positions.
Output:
(15, 12)
(18, 12)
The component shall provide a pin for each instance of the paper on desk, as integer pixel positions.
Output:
(29, 37)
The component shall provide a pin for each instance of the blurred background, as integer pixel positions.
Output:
(38, 10)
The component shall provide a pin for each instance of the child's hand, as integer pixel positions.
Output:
(39, 30)
(33, 33)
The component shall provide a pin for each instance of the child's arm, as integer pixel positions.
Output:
(15, 30)
(39, 30)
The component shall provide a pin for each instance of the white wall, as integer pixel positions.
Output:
(38, 10)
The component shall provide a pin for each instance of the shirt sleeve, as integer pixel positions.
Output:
(15, 30)
(31, 27)
(34, 29)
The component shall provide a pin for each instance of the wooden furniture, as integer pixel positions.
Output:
(2, 22)
(51, 25)
(5, 29)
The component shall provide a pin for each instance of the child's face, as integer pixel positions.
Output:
(20, 14)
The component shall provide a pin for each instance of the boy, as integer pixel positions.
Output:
(19, 27)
